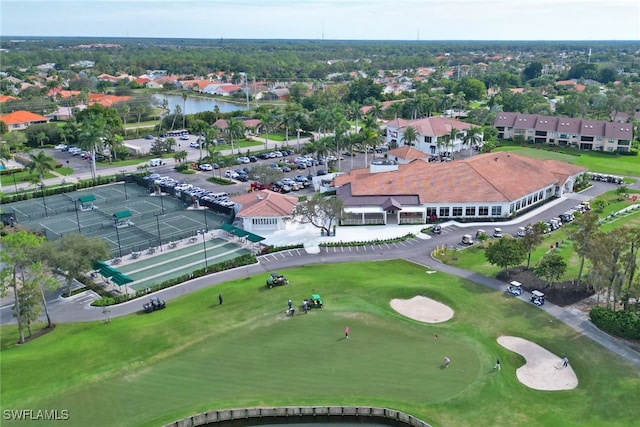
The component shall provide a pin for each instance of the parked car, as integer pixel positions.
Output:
(150, 137)
(194, 144)
(321, 172)
(61, 147)
(184, 137)
(206, 167)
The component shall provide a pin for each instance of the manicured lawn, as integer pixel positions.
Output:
(149, 369)
(614, 164)
(473, 258)
(25, 177)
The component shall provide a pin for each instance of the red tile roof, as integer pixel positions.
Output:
(407, 152)
(19, 117)
(492, 177)
(264, 203)
(5, 98)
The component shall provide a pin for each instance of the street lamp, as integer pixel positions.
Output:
(204, 245)
(158, 225)
(14, 181)
(115, 221)
(206, 226)
(75, 204)
(44, 202)
(124, 180)
(161, 202)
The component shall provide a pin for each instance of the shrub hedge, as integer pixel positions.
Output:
(624, 324)
(214, 268)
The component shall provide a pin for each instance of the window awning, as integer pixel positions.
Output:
(122, 214)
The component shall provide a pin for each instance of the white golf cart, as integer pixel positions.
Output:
(467, 239)
(537, 298)
(497, 233)
(515, 288)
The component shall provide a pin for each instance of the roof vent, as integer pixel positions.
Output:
(495, 158)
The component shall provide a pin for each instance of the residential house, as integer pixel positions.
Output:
(433, 133)
(582, 134)
(480, 188)
(19, 120)
(405, 154)
(265, 211)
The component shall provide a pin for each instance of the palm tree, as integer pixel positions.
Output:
(396, 109)
(451, 138)
(472, 137)
(41, 163)
(125, 110)
(178, 111)
(410, 136)
(184, 103)
(369, 138)
(235, 130)
(199, 128)
(140, 110)
(93, 131)
(41, 137)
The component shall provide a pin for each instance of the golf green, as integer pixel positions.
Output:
(197, 355)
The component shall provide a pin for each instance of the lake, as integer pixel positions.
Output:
(197, 104)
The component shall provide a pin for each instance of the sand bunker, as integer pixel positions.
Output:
(422, 309)
(542, 370)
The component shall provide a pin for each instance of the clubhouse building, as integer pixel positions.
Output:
(484, 187)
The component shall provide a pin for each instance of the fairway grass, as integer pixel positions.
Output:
(197, 355)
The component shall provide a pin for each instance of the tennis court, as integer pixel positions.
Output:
(151, 220)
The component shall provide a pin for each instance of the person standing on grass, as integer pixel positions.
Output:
(497, 366)
(565, 362)
(346, 332)
(290, 304)
(447, 362)
(435, 337)
(220, 299)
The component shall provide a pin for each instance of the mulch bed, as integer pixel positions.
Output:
(38, 333)
(561, 293)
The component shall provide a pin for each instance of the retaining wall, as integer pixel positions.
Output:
(297, 414)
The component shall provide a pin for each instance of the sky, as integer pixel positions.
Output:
(326, 19)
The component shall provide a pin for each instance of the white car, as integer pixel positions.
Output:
(231, 174)
(184, 138)
(243, 160)
(193, 144)
(61, 147)
(206, 167)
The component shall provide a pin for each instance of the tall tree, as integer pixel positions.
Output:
(235, 131)
(532, 239)
(505, 253)
(552, 266)
(320, 211)
(410, 136)
(17, 256)
(73, 255)
(472, 137)
(584, 229)
(41, 163)
(184, 103)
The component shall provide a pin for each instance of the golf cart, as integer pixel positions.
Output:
(515, 288)
(314, 302)
(154, 304)
(537, 298)
(276, 280)
(497, 233)
(479, 234)
(467, 239)
(437, 229)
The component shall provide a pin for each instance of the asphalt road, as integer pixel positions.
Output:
(77, 308)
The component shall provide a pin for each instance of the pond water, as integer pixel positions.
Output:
(197, 104)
